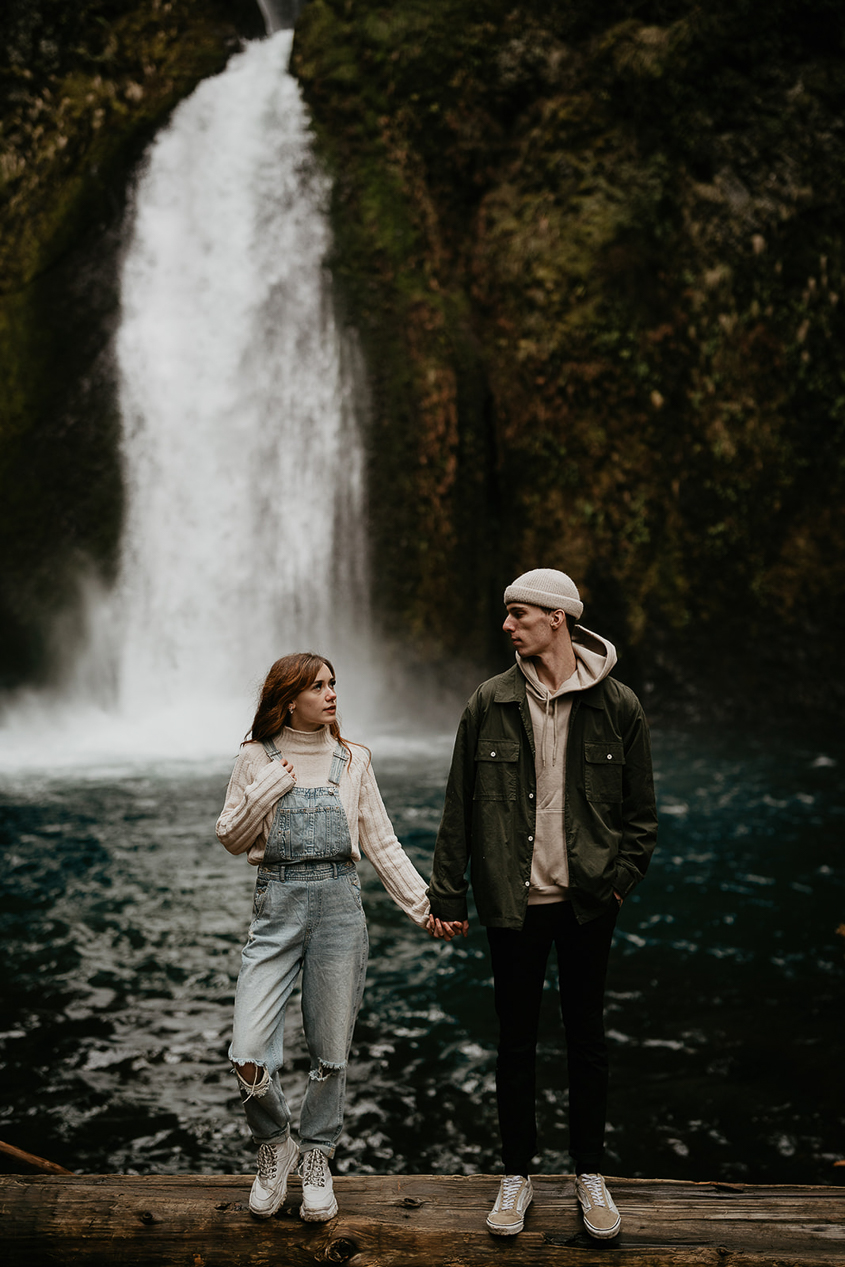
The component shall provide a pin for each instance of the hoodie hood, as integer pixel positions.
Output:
(594, 659)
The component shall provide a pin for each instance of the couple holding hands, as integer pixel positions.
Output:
(549, 806)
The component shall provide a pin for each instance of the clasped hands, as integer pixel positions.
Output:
(447, 929)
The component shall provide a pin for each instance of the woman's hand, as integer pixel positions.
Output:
(447, 929)
(289, 768)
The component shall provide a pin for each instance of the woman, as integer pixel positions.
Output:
(300, 800)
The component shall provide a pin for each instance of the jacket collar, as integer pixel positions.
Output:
(510, 687)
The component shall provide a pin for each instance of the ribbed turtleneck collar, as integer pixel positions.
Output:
(305, 741)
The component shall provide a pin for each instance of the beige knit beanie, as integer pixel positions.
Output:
(545, 587)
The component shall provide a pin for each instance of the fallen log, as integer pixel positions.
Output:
(409, 1221)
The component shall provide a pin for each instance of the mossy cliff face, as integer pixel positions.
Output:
(596, 256)
(83, 88)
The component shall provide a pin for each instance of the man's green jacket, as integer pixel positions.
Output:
(489, 815)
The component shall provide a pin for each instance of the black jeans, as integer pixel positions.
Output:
(519, 971)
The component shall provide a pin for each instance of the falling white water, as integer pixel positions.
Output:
(244, 534)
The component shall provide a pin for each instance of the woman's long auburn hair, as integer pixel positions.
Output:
(288, 677)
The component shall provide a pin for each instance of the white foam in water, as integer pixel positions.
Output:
(244, 534)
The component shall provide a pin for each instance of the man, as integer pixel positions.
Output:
(550, 801)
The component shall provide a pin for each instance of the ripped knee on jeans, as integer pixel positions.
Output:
(260, 1084)
(324, 1070)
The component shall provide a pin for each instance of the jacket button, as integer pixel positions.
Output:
(528, 884)
(492, 754)
(531, 796)
(610, 756)
(530, 837)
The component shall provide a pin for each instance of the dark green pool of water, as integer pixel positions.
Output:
(122, 921)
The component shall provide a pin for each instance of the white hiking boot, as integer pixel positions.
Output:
(318, 1199)
(508, 1214)
(275, 1162)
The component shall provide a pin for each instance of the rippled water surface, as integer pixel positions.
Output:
(122, 921)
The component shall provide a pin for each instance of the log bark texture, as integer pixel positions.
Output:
(409, 1221)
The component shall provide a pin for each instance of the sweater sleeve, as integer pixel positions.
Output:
(249, 798)
(393, 866)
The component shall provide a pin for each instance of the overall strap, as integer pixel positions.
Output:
(271, 750)
(339, 760)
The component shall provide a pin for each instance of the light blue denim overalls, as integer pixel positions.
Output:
(307, 915)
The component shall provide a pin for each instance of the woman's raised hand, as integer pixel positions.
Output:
(289, 768)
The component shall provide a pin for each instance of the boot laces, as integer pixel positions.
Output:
(267, 1162)
(314, 1170)
(510, 1190)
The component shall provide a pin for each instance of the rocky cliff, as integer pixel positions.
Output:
(596, 255)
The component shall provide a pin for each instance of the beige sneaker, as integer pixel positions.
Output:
(275, 1162)
(508, 1214)
(601, 1217)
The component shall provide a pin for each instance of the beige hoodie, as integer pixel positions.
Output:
(594, 659)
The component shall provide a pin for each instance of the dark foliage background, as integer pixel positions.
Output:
(596, 254)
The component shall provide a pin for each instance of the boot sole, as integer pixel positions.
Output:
(318, 1216)
(268, 1214)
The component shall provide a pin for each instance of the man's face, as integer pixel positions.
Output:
(531, 628)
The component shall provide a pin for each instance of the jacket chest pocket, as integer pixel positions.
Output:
(495, 770)
(603, 764)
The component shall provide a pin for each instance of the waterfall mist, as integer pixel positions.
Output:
(241, 401)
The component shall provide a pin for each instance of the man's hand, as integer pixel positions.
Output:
(447, 929)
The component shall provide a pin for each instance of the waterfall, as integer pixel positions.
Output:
(240, 397)
(280, 15)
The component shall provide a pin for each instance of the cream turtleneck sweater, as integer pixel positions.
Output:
(550, 710)
(258, 783)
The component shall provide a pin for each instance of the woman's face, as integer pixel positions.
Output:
(316, 706)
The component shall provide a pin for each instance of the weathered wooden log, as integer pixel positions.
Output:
(409, 1221)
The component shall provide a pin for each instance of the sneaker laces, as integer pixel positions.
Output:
(511, 1185)
(314, 1169)
(595, 1187)
(268, 1162)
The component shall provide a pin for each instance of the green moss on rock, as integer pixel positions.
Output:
(596, 255)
